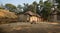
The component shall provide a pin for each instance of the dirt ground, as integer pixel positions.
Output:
(30, 28)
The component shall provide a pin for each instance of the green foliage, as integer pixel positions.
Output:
(47, 4)
(19, 6)
(19, 9)
(34, 6)
(34, 3)
(25, 8)
(30, 8)
(47, 9)
(10, 7)
(45, 13)
(41, 3)
(58, 1)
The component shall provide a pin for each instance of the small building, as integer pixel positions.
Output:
(30, 17)
(22, 18)
(55, 16)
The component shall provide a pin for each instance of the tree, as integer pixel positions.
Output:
(19, 9)
(10, 7)
(25, 8)
(47, 9)
(34, 6)
(40, 7)
(19, 6)
(41, 3)
(30, 8)
(58, 1)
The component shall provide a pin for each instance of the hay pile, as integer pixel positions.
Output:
(7, 14)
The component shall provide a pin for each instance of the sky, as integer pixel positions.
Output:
(16, 2)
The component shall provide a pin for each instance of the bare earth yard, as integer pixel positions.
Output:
(30, 28)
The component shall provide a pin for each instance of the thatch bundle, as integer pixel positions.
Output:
(7, 14)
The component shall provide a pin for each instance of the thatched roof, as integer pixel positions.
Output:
(32, 13)
(56, 11)
(7, 13)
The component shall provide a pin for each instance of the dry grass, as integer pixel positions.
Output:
(7, 13)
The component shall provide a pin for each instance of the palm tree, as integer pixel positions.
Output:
(41, 3)
(25, 7)
(35, 5)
